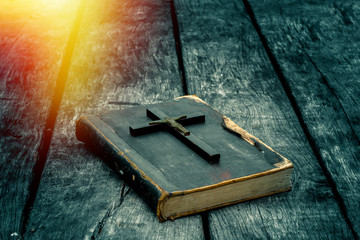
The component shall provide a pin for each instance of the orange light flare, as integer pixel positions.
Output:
(33, 34)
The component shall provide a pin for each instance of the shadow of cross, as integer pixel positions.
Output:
(176, 127)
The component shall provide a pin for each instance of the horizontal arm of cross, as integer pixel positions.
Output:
(155, 114)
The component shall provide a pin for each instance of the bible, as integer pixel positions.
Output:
(184, 157)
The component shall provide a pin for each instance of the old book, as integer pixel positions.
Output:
(183, 157)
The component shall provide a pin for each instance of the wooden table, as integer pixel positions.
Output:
(286, 71)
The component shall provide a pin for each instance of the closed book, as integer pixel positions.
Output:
(183, 156)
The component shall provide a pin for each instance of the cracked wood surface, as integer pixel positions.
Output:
(27, 50)
(125, 56)
(227, 66)
(316, 45)
(134, 221)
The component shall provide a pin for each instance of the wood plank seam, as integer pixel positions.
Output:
(206, 225)
(333, 93)
(178, 47)
(297, 111)
(177, 38)
(326, 82)
(51, 119)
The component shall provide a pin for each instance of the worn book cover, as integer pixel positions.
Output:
(183, 156)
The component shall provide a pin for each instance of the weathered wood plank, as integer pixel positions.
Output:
(227, 66)
(32, 41)
(320, 67)
(125, 56)
(126, 223)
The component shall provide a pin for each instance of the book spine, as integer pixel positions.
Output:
(102, 139)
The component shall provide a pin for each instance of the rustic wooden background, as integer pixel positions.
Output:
(286, 71)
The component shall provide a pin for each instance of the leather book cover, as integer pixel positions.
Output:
(183, 157)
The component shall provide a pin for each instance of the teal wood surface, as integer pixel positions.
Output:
(227, 65)
(319, 68)
(285, 71)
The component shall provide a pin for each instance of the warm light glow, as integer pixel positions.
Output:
(29, 6)
(42, 12)
(33, 35)
(35, 19)
(28, 26)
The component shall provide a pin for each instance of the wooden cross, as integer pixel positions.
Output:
(176, 127)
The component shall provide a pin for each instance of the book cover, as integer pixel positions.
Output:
(183, 156)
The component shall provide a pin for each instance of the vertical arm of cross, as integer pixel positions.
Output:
(198, 146)
(155, 114)
(175, 126)
(191, 140)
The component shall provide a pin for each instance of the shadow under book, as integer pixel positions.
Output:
(183, 157)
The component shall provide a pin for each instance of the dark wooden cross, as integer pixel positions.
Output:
(176, 127)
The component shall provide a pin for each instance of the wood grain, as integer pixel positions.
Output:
(227, 66)
(320, 66)
(126, 223)
(30, 58)
(125, 56)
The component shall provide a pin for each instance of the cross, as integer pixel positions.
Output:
(176, 127)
